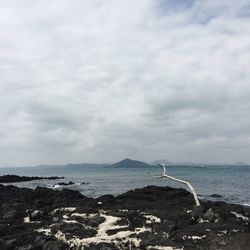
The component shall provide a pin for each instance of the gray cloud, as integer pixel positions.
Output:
(103, 80)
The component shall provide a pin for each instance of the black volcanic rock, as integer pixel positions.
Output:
(167, 217)
(216, 196)
(128, 163)
(16, 178)
(65, 183)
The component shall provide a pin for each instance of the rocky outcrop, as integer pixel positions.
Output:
(147, 218)
(16, 178)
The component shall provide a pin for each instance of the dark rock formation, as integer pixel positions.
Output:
(16, 178)
(141, 219)
(216, 196)
(128, 163)
(65, 183)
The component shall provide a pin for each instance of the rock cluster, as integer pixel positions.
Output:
(150, 218)
(16, 178)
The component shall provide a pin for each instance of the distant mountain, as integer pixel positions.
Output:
(241, 163)
(128, 163)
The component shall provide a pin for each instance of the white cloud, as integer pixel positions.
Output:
(102, 80)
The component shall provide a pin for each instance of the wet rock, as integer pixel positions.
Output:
(2, 244)
(40, 240)
(95, 221)
(106, 199)
(10, 244)
(135, 219)
(2, 229)
(102, 246)
(222, 243)
(26, 247)
(118, 213)
(86, 210)
(175, 227)
(91, 222)
(149, 239)
(55, 245)
(16, 178)
(13, 210)
(36, 215)
(65, 183)
(115, 231)
(165, 226)
(209, 215)
(73, 230)
(216, 196)
(197, 212)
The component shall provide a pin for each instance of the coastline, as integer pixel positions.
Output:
(148, 218)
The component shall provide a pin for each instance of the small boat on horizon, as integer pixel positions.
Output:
(201, 166)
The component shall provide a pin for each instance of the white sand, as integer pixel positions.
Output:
(26, 219)
(240, 216)
(194, 237)
(101, 235)
(84, 215)
(46, 231)
(65, 209)
(110, 223)
(152, 219)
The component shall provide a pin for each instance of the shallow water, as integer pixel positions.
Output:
(233, 183)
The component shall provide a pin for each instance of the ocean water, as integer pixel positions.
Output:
(233, 183)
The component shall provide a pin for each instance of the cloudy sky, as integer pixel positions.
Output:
(101, 80)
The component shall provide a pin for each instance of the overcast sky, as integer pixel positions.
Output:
(101, 80)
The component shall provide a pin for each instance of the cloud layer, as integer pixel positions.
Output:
(100, 80)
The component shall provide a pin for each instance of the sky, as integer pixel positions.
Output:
(99, 81)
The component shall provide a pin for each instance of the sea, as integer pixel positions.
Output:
(231, 182)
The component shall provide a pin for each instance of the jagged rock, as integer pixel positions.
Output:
(40, 240)
(197, 211)
(36, 215)
(135, 219)
(10, 244)
(149, 239)
(209, 215)
(216, 196)
(13, 210)
(165, 226)
(101, 246)
(106, 199)
(55, 245)
(73, 230)
(2, 229)
(65, 183)
(26, 247)
(16, 178)
(175, 226)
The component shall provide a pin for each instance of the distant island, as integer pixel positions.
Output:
(241, 163)
(128, 163)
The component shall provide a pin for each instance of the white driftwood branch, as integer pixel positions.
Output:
(165, 175)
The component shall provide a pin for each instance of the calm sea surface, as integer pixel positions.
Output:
(233, 183)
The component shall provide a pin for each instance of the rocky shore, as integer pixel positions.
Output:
(16, 178)
(150, 218)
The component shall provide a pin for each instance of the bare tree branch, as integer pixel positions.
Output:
(165, 175)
